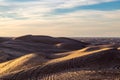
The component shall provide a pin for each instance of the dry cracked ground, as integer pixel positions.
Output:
(47, 58)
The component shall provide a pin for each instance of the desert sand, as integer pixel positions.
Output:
(34, 57)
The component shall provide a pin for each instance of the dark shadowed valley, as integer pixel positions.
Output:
(34, 57)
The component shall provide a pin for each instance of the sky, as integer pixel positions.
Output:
(70, 18)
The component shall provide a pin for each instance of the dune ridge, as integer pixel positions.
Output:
(24, 62)
(95, 60)
(48, 58)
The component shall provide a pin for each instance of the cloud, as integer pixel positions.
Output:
(37, 8)
(35, 17)
(18, 0)
(74, 3)
(108, 6)
(79, 23)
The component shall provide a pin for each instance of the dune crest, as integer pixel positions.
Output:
(47, 58)
(24, 62)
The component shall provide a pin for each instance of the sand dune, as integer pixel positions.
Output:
(84, 75)
(4, 57)
(3, 39)
(30, 44)
(58, 58)
(23, 62)
(102, 59)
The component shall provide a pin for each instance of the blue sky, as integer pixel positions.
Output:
(107, 6)
(82, 18)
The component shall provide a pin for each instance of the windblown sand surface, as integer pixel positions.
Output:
(47, 58)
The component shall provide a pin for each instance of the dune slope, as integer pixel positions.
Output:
(24, 62)
(105, 59)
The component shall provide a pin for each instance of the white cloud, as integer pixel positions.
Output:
(74, 3)
(40, 8)
(79, 23)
